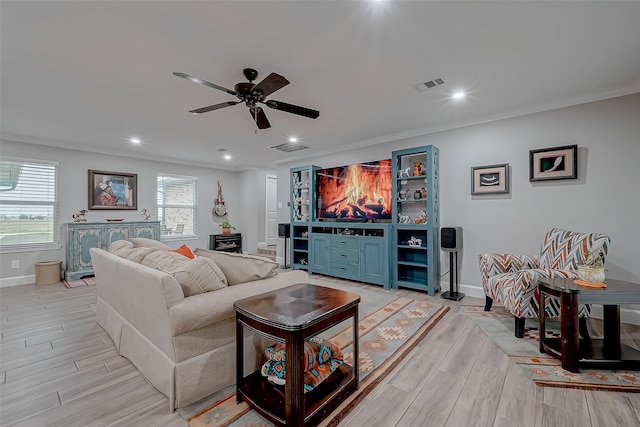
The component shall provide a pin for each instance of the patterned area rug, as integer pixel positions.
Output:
(543, 369)
(389, 328)
(85, 281)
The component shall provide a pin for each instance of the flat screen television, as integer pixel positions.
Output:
(357, 192)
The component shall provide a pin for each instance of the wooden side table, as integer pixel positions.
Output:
(293, 314)
(600, 353)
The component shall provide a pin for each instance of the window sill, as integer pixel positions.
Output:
(176, 237)
(30, 248)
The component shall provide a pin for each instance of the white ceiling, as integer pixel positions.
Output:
(88, 75)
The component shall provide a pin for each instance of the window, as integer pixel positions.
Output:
(177, 204)
(28, 203)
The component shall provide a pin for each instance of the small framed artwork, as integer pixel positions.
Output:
(553, 163)
(113, 190)
(493, 179)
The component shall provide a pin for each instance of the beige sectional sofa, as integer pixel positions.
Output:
(184, 345)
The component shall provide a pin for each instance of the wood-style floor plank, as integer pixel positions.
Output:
(58, 367)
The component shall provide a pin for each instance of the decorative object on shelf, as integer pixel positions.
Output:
(226, 226)
(403, 194)
(493, 179)
(423, 193)
(417, 194)
(404, 173)
(346, 232)
(418, 168)
(591, 270)
(423, 216)
(553, 163)
(80, 216)
(219, 209)
(113, 190)
(414, 241)
(145, 214)
(114, 219)
(404, 219)
(305, 234)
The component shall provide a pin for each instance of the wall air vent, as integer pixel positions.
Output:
(421, 87)
(288, 147)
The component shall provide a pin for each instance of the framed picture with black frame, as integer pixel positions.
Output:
(492, 179)
(554, 163)
(113, 190)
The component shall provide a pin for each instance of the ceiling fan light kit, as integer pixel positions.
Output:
(252, 94)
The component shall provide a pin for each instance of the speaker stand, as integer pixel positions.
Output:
(285, 253)
(453, 293)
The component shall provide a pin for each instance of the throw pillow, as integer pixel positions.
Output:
(184, 250)
(119, 245)
(195, 276)
(134, 254)
(141, 242)
(240, 268)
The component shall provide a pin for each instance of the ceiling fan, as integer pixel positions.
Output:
(252, 94)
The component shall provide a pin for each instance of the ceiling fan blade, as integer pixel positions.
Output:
(259, 117)
(214, 107)
(270, 84)
(204, 82)
(294, 109)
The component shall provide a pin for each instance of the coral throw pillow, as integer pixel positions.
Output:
(184, 250)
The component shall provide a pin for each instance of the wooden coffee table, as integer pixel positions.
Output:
(293, 314)
(606, 353)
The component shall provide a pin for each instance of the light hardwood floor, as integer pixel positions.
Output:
(58, 367)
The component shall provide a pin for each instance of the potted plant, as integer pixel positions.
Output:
(226, 226)
(592, 269)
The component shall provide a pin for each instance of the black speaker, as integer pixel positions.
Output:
(284, 230)
(451, 239)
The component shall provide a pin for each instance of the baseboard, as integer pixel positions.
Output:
(467, 290)
(17, 281)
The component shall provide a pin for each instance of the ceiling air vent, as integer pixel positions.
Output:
(421, 87)
(288, 147)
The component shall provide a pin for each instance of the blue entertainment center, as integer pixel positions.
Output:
(375, 222)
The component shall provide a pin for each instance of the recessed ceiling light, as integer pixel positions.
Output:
(458, 95)
(293, 139)
(227, 157)
(135, 140)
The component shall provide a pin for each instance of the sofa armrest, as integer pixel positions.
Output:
(198, 311)
(494, 264)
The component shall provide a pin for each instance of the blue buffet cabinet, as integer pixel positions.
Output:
(82, 236)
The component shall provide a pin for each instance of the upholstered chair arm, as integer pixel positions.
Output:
(525, 285)
(494, 264)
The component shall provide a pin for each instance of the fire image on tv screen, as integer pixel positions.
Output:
(355, 192)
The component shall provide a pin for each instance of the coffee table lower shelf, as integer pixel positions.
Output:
(595, 354)
(269, 399)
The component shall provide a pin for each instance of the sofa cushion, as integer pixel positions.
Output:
(195, 276)
(240, 268)
(141, 242)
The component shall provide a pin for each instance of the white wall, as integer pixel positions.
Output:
(73, 189)
(604, 198)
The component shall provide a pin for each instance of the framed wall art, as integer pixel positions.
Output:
(493, 179)
(113, 190)
(553, 163)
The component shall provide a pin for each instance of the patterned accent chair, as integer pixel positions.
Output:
(512, 280)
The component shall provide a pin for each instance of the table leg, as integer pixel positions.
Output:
(541, 315)
(294, 407)
(356, 347)
(239, 358)
(611, 324)
(569, 340)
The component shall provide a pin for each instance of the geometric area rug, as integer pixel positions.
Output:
(389, 327)
(542, 368)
